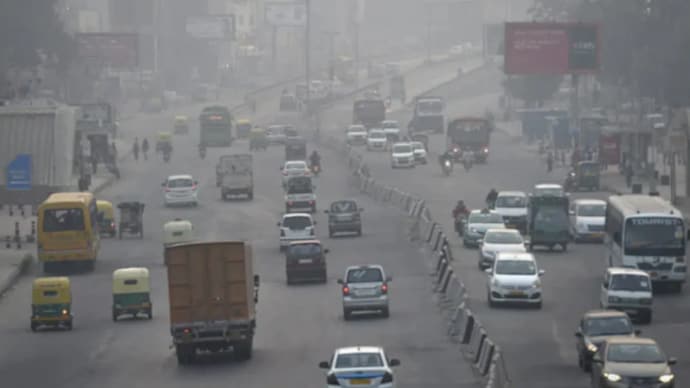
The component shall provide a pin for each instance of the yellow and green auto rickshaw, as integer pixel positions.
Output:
(181, 125)
(131, 292)
(106, 218)
(258, 139)
(51, 303)
(244, 127)
(164, 141)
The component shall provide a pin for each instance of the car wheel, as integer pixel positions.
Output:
(385, 312)
(538, 306)
(347, 314)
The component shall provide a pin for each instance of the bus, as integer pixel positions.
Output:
(68, 230)
(647, 233)
(216, 127)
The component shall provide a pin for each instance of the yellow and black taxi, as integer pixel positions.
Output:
(51, 303)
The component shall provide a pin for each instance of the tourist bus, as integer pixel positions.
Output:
(647, 233)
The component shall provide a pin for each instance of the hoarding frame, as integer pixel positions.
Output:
(285, 5)
(562, 65)
(227, 29)
(92, 47)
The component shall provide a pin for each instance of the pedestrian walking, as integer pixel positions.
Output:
(135, 149)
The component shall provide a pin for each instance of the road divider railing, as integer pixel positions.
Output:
(463, 326)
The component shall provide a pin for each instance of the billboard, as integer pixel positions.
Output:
(286, 14)
(551, 48)
(116, 50)
(216, 27)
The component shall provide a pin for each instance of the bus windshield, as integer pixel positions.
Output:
(654, 236)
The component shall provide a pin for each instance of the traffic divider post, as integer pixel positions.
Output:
(442, 286)
(485, 357)
(442, 272)
(457, 321)
(469, 327)
(476, 342)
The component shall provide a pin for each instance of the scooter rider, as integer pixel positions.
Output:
(460, 214)
(491, 198)
(315, 159)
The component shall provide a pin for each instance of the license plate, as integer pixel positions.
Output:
(305, 261)
(366, 292)
(517, 293)
(360, 382)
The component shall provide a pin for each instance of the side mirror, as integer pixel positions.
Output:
(638, 332)
(488, 271)
(605, 284)
(571, 212)
(578, 334)
(326, 250)
(324, 365)
(256, 280)
(396, 362)
(672, 361)
(389, 278)
(340, 281)
(541, 272)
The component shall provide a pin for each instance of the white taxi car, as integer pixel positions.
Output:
(499, 240)
(356, 135)
(515, 278)
(419, 152)
(402, 155)
(377, 140)
(360, 366)
(180, 190)
(296, 227)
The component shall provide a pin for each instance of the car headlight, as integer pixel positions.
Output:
(473, 230)
(667, 378)
(495, 283)
(592, 348)
(647, 301)
(536, 283)
(612, 377)
(614, 299)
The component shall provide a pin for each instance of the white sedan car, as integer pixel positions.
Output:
(356, 135)
(360, 366)
(419, 152)
(515, 278)
(294, 168)
(499, 240)
(377, 141)
(180, 190)
(402, 155)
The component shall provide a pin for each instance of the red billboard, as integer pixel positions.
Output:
(551, 48)
(116, 50)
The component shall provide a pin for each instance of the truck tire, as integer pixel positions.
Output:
(243, 349)
(185, 354)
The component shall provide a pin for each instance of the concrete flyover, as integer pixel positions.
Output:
(538, 345)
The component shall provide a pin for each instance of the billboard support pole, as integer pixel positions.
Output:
(155, 35)
(575, 100)
(274, 47)
(307, 46)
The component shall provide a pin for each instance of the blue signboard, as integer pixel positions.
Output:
(19, 173)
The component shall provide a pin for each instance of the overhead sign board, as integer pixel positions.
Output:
(115, 50)
(551, 48)
(215, 27)
(19, 173)
(285, 14)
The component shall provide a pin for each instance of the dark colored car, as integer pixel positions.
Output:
(344, 216)
(305, 261)
(595, 327)
(624, 362)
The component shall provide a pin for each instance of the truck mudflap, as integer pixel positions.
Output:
(212, 332)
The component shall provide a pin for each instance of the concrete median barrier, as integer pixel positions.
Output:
(476, 342)
(485, 357)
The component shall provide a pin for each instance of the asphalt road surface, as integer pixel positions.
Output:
(298, 326)
(538, 344)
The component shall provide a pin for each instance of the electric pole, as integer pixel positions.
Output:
(307, 56)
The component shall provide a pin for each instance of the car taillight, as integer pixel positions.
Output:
(289, 203)
(332, 380)
(346, 290)
(311, 202)
(194, 187)
(387, 378)
(167, 190)
(285, 173)
(187, 331)
(384, 289)
(112, 224)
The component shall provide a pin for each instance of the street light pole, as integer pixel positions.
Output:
(307, 54)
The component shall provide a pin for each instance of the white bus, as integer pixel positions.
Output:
(647, 233)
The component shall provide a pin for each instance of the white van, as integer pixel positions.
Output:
(628, 290)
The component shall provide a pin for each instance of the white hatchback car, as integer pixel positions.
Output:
(377, 140)
(180, 190)
(499, 240)
(360, 366)
(356, 135)
(296, 227)
(419, 152)
(294, 168)
(402, 155)
(587, 219)
(365, 288)
(515, 278)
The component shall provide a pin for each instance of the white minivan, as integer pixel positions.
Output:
(587, 219)
(512, 205)
(628, 290)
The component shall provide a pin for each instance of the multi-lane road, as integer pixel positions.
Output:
(538, 344)
(298, 326)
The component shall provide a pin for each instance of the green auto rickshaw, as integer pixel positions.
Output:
(131, 292)
(258, 139)
(586, 175)
(51, 303)
(243, 128)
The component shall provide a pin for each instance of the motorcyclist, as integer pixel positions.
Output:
(549, 162)
(460, 210)
(145, 148)
(315, 159)
(135, 148)
(491, 198)
(445, 156)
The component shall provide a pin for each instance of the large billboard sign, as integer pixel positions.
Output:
(216, 27)
(286, 14)
(551, 48)
(115, 50)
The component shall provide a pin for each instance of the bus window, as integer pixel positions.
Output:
(63, 220)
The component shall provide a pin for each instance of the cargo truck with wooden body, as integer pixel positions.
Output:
(213, 293)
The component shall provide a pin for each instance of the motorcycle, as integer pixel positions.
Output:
(315, 169)
(459, 223)
(447, 167)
